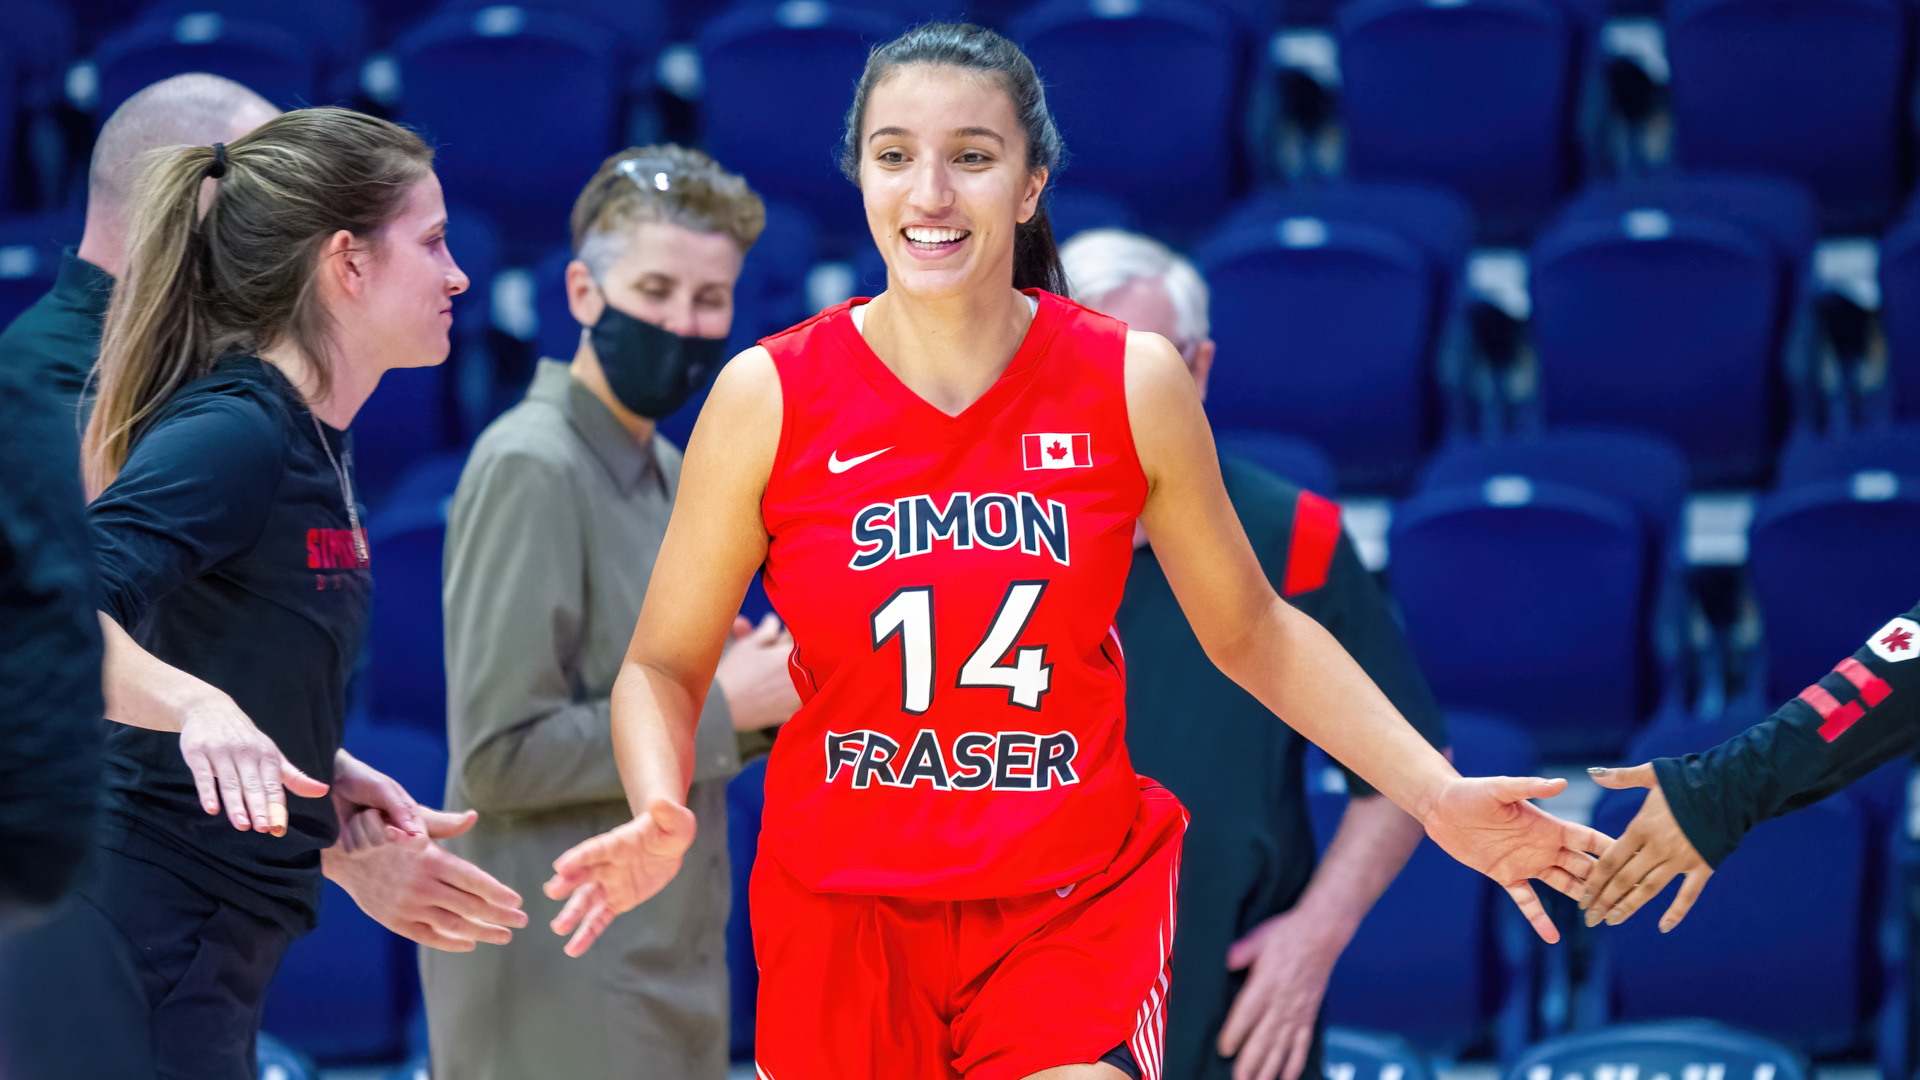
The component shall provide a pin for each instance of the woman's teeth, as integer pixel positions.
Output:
(931, 239)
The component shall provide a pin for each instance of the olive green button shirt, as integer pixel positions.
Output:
(551, 540)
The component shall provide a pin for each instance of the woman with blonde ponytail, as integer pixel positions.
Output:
(269, 284)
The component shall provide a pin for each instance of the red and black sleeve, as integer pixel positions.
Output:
(1859, 716)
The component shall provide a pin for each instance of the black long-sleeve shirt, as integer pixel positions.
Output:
(224, 548)
(58, 338)
(49, 646)
(1859, 716)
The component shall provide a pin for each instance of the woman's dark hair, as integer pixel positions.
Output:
(1036, 258)
(240, 276)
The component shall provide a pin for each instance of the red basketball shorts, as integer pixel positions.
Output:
(886, 988)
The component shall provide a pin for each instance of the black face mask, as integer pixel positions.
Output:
(651, 370)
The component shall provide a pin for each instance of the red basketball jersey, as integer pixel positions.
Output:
(951, 583)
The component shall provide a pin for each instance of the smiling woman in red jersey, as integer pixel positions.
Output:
(961, 874)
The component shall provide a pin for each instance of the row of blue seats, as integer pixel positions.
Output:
(1493, 98)
(1683, 307)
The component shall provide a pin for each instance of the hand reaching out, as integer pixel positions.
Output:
(418, 889)
(614, 872)
(1487, 823)
(1651, 853)
(235, 763)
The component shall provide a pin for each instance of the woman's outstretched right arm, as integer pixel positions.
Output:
(715, 542)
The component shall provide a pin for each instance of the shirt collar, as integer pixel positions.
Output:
(633, 465)
(84, 285)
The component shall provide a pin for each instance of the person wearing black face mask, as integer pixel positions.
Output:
(551, 540)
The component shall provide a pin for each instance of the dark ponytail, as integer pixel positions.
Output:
(1036, 258)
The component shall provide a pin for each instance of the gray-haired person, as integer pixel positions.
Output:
(550, 544)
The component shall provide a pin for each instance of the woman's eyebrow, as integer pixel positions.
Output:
(979, 133)
(877, 132)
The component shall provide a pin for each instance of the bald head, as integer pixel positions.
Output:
(186, 110)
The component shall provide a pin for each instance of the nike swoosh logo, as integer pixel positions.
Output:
(836, 466)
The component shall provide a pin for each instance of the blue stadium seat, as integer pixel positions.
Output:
(1810, 458)
(1669, 323)
(1433, 219)
(1295, 460)
(346, 991)
(1371, 1055)
(1481, 96)
(281, 66)
(1326, 331)
(475, 245)
(1775, 209)
(1776, 943)
(1642, 471)
(779, 78)
(1528, 600)
(1074, 210)
(30, 250)
(1443, 957)
(41, 38)
(1829, 561)
(772, 292)
(559, 335)
(522, 105)
(1814, 90)
(1149, 95)
(278, 1061)
(746, 801)
(640, 24)
(406, 680)
(1673, 1048)
(409, 417)
(337, 29)
(1900, 314)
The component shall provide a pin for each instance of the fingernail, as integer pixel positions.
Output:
(277, 816)
(1616, 917)
(1593, 918)
(1665, 926)
(1585, 900)
(1596, 770)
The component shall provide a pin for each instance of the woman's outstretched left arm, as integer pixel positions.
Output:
(1297, 669)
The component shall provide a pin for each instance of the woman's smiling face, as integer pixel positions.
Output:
(943, 174)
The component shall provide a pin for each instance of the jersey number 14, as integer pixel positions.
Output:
(908, 615)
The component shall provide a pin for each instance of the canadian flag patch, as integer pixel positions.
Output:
(1898, 640)
(1055, 450)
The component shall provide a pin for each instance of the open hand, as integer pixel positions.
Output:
(418, 889)
(1269, 1030)
(1652, 852)
(235, 763)
(1487, 823)
(613, 872)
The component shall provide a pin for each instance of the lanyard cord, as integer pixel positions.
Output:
(346, 492)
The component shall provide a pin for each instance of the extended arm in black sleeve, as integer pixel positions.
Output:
(1859, 716)
(195, 490)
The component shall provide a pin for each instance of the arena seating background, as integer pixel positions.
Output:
(1603, 322)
